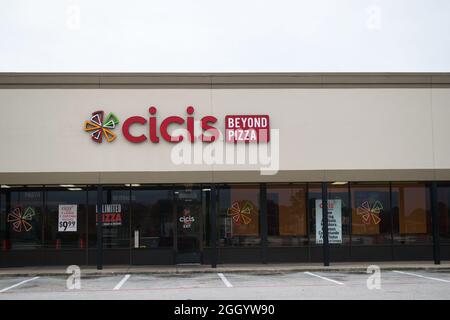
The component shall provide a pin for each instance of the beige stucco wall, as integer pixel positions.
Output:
(324, 134)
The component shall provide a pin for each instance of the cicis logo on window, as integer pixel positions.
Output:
(238, 128)
(101, 127)
(186, 219)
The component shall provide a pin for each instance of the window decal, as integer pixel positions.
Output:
(370, 214)
(21, 219)
(186, 219)
(240, 212)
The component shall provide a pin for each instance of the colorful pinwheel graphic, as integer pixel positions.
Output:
(21, 219)
(240, 212)
(100, 127)
(370, 214)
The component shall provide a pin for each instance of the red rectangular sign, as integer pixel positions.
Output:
(247, 128)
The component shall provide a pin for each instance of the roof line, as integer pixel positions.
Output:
(96, 79)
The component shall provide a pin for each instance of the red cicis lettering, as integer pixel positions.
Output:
(126, 129)
(154, 133)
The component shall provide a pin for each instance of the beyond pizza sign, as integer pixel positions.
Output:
(238, 128)
(246, 128)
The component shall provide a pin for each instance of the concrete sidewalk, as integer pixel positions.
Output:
(229, 268)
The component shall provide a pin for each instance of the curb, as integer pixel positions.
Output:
(177, 271)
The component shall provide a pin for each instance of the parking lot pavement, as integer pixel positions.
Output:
(411, 284)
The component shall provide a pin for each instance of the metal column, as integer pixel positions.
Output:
(263, 221)
(213, 222)
(99, 228)
(326, 245)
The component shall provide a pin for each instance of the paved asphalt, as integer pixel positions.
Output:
(411, 284)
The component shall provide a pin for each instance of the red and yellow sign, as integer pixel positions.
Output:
(238, 128)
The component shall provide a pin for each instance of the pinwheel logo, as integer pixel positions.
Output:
(100, 127)
(370, 214)
(21, 219)
(240, 212)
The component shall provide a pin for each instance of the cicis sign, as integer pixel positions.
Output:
(238, 128)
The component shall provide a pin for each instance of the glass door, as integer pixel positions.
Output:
(188, 208)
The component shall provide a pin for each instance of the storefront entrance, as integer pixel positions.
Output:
(233, 223)
(188, 214)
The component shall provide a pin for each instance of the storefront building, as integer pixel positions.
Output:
(223, 168)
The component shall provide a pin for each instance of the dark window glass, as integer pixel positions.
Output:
(23, 211)
(238, 219)
(286, 215)
(153, 218)
(412, 215)
(188, 213)
(314, 197)
(338, 196)
(444, 213)
(3, 225)
(65, 218)
(371, 219)
(206, 204)
(116, 218)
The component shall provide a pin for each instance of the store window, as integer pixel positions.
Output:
(371, 218)
(152, 221)
(23, 215)
(116, 217)
(339, 213)
(206, 215)
(444, 212)
(314, 213)
(411, 213)
(65, 217)
(239, 215)
(286, 215)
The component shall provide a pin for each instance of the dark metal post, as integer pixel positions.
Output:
(263, 221)
(391, 214)
(435, 223)
(99, 228)
(174, 221)
(326, 245)
(212, 220)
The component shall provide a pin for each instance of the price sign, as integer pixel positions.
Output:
(67, 219)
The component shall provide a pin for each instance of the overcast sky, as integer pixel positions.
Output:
(225, 36)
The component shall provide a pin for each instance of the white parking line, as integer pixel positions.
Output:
(420, 276)
(323, 278)
(120, 284)
(225, 280)
(18, 284)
